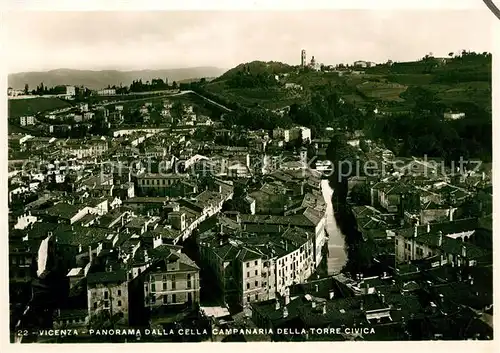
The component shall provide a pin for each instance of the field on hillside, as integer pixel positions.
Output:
(20, 107)
(271, 98)
(382, 91)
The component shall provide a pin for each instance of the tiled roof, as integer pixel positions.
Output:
(116, 276)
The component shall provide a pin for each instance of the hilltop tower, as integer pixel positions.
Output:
(303, 58)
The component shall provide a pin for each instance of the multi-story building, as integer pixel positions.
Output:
(447, 242)
(251, 267)
(172, 279)
(108, 290)
(27, 120)
(106, 92)
(158, 183)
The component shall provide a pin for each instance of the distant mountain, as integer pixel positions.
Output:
(101, 79)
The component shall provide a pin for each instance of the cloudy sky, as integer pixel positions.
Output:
(39, 41)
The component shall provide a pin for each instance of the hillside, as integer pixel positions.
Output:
(454, 81)
(101, 79)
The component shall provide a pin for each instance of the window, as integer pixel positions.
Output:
(153, 299)
(248, 274)
(119, 292)
(95, 305)
(165, 299)
(248, 285)
(106, 295)
(106, 304)
(146, 288)
(164, 278)
(164, 287)
(174, 298)
(256, 297)
(119, 303)
(255, 263)
(248, 299)
(173, 282)
(256, 272)
(190, 297)
(153, 287)
(189, 281)
(256, 283)
(248, 264)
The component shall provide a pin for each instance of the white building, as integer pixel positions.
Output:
(107, 92)
(291, 85)
(84, 107)
(453, 116)
(70, 91)
(27, 120)
(88, 116)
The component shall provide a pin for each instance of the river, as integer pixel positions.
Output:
(337, 256)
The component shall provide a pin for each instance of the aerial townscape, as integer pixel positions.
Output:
(274, 202)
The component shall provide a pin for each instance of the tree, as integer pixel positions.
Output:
(174, 85)
(26, 89)
(360, 194)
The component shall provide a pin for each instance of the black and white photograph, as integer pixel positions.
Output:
(250, 176)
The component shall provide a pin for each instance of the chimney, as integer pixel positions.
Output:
(440, 239)
(277, 304)
(285, 313)
(316, 288)
(428, 227)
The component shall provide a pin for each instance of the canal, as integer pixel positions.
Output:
(336, 254)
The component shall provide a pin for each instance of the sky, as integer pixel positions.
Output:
(41, 41)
